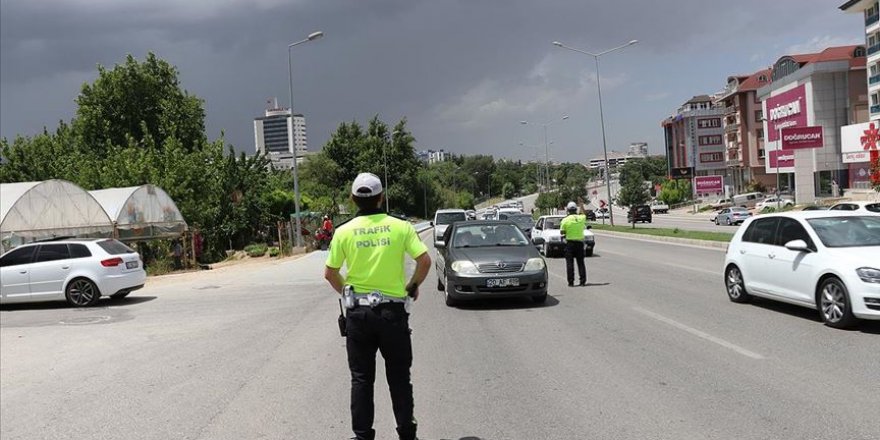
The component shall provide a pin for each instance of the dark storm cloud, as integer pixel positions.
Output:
(463, 72)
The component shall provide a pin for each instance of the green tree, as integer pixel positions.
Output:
(632, 187)
(675, 191)
(508, 190)
(136, 99)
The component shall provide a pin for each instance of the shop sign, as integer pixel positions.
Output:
(785, 110)
(796, 138)
(709, 184)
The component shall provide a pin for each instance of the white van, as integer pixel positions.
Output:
(748, 200)
(445, 217)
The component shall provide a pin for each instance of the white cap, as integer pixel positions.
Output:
(571, 206)
(366, 185)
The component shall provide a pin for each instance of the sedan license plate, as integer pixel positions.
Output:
(131, 264)
(502, 282)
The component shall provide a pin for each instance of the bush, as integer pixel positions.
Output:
(274, 251)
(256, 250)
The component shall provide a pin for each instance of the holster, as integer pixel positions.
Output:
(343, 331)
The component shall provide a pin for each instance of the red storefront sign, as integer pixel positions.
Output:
(785, 110)
(709, 184)
(781, 159)
(797, 138)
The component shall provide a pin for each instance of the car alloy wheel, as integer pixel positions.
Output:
(716, 221)
(736, 287)
(834, 304)
(82, 293)
(728, 221)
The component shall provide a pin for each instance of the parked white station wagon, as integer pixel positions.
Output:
(824, 260)
(79, 271)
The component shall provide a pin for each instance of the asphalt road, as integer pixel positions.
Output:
(651, 349)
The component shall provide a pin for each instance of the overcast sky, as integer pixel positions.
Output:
(463, 72)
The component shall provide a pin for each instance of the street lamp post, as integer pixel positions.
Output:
(547, 147)
(601, 114)
(385, 159)
(311, 37)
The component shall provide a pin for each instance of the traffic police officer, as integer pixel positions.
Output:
(372, 246)
(572, 229)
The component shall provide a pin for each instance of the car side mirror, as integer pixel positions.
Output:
(538, 241)
(589, 227)
(798, 245)
(431, 223)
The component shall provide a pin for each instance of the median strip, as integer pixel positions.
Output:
(718, 240)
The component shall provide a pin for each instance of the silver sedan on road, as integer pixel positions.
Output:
(732, 216)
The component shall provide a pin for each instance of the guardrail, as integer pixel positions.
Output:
(422, 227)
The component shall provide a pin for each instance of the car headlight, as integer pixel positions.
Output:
(534, 264)
(464, 267)
(869, 274)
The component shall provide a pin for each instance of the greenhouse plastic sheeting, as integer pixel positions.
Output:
(141, 212)
(36, 210)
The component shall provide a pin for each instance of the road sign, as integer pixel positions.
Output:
(602, 203)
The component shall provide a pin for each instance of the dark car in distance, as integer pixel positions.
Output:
(642, 213)
(524, 222)
(489, 259)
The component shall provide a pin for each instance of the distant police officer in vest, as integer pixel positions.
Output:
(572, 229)
(372, 246)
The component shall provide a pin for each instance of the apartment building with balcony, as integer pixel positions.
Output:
(870, 9)
(694, 137)
(744, 130)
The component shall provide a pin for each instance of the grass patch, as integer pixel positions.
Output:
(666, 232)
(256, 250)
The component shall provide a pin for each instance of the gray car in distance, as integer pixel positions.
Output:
(732, 216)
(489, 259)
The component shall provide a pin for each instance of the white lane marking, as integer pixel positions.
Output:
(699, 334)
(679, 266)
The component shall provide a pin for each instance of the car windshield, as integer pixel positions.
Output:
(552, 223)
(522, 220)
(837, 232)
(445, 218)
(488, 235)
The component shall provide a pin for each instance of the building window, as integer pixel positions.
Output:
(709, 123)
(760, 153)
(714, 139)
(875, 98)
(759, 115)
(711, 157)
(859, 52)
(760, 133)
(874, 69)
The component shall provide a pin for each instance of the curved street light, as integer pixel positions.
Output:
(601, 113)
(313, 36)
(546, 145)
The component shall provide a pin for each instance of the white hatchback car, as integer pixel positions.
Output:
(860, 207)
(829, 261)
(79, 271)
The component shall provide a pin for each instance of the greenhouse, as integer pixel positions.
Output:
(32, 211)
(141, 212)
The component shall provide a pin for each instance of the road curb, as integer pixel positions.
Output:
(674, 240)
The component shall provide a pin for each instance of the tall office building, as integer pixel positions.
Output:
(274, 132)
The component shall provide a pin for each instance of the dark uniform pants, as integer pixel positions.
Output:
(574, 250)
(386, 329)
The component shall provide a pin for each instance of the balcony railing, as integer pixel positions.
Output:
(872, 19)
(875, 109)
(874, 79)
(873, 49)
